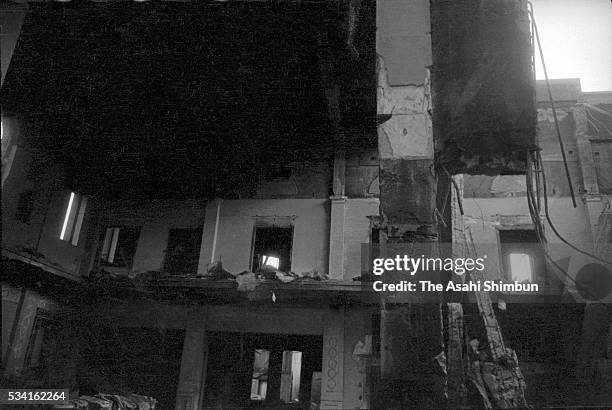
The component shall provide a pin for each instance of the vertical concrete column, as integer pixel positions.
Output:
(410, 329)
(339, 173)
(210, 235)
(405, 137)
(192, 376)
(336, 237)
(332, 377)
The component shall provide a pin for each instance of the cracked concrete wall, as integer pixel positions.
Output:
(408, 188)
(405, 139)
(408, 132)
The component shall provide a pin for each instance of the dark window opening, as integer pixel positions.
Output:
(25, 206)
(602, 156)
(263, 371)
(119, 246)
(39, 338)
(183, 251)
(272, 248)
(522, 257)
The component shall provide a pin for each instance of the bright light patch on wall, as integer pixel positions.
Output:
(67, 217)
(272, 261)
(521, 269)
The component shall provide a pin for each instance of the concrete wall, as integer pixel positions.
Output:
(357, 232)
(235, 232)
(35, 170)
(305, 181)
(311, 219)
(362, 174)
(483, 217)
(155, 218)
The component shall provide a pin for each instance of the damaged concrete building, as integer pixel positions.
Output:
(192, 192)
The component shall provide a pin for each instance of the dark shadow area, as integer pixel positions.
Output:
(230, 373)
(131, 360)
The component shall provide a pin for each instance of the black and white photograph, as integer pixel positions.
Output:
(306, 204)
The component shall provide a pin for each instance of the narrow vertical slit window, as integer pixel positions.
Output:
(259, 381)
(119, 246)
(73, 218)
(290, 377)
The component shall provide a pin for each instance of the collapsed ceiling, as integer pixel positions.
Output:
(187, 99)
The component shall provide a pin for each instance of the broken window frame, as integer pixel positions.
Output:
(259, 397)
(261, 223)
(110, 246)
(293, 374)
(36, 354)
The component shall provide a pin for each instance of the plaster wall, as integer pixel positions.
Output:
(357, 232)
(237, 220)
(311, 220)
(155, 220)
(305, 181)
(483, 217)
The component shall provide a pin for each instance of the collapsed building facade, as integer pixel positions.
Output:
(302, 138)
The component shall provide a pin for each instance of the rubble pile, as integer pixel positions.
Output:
(103, 401)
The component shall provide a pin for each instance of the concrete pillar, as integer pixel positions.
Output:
(339, 173)
(332, 377)
(407, 172)
(210, 235)
(336, 237)
(190, 391)
(408, 189)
